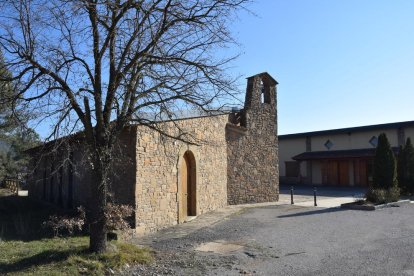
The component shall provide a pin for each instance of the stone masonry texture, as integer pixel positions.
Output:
(253, 172)
(158, 171)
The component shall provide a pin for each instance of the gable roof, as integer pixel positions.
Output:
(348, 130)
(266, 76)
(338, 154)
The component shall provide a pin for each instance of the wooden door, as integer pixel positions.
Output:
(343, 173)
(188, 190)
(183, 204)
(332, 172)
(324, 172)
(361, 173)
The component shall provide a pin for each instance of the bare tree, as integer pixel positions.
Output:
(95, 65)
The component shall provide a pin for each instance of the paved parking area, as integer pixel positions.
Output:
(285, 239)
(326, 196)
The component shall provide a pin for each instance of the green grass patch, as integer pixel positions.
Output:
(66, 256)
(28, 249)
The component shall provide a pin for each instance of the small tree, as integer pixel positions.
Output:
(401, 168)
(409, 153)
(406, 167)
(385, 186)
(385, 175)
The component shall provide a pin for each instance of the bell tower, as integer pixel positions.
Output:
(252, 155)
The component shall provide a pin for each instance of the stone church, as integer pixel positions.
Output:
(168, 180)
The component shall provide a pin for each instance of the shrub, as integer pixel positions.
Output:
(116, 216)
(65, 223)
(393, 194)
(376, 196)
(381, 196)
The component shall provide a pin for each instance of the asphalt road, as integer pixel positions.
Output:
(292, 240)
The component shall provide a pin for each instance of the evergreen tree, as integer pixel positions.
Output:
(409, 152)
(8, 96)
(401, 168)
(406, 167)
(15, 136)
(13, 160)
(385, 173)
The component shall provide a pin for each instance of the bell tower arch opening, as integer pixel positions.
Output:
(265, 89)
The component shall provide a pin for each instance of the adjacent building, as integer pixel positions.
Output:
(341, 157)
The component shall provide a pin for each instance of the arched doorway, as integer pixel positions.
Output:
(188, 192)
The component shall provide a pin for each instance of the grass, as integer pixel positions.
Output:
(28, 249)
(66, 256)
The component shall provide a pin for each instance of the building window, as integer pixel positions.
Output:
(373, 141)
(328, 144)
(292, 169)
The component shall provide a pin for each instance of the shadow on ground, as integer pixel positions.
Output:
(43, 258)
(313, 212)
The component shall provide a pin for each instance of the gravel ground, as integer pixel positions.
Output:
(291, 240)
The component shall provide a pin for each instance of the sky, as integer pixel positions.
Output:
(341, 63)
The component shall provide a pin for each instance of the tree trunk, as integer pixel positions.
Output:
(99, 196)
(97, 240)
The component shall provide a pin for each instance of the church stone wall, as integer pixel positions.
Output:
(252, 153)
(158, 170)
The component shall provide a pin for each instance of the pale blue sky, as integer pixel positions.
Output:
(339, 63)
